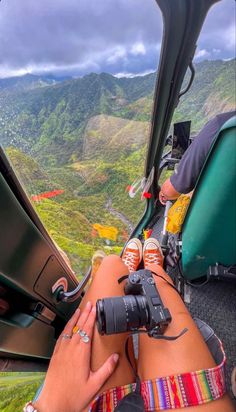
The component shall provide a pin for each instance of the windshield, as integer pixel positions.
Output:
(76, 98)
(76, 132)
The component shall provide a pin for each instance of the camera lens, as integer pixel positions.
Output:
(121, 314)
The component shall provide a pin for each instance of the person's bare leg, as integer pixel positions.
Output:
(159, 358)
(104, 284)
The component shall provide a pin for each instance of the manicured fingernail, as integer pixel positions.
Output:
(115, 357)
(78, 310)
(88, 305)
(94, 309)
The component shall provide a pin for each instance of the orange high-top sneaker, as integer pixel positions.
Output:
(132, 254)
(152, 253)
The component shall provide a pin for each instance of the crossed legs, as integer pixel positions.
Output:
(156, 358)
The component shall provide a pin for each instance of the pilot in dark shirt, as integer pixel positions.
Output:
(185, 177)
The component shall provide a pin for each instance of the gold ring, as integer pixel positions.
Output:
(75, 329)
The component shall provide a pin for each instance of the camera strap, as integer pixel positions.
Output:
(133, 401)
(167, 281)
(164, 337)
(120, 280)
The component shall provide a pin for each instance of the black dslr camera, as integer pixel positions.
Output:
(141, 307)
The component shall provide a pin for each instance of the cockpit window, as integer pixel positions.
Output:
(77, 135)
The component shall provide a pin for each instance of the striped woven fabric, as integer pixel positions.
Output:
(171, 392)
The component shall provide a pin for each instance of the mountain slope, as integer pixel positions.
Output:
(29, 82)
(57, 115)
(109, 137)
(88, 138)
(212, 92)
(51, 122)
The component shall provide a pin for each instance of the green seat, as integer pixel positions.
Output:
(209, 231)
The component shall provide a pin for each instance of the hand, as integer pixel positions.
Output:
(162, 198)
(167, 192)
(70, 384)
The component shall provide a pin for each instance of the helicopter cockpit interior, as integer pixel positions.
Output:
(39, 289)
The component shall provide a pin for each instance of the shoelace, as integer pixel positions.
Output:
(153, 258)
(130, 260)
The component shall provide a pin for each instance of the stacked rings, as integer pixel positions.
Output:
(84, 337)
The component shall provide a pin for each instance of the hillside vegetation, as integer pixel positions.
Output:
(49, 122)
(17, 388)
(88, 138)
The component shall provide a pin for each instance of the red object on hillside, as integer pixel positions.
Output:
(94, 233)
(147, 195)
(46, 195)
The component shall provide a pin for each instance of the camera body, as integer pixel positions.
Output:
(142, 283)
(140, 307)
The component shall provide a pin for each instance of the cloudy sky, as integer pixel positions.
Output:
(76, 37)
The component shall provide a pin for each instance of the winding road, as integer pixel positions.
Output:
(119, 215)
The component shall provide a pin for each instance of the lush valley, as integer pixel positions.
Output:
(87, 137)
(49, 120)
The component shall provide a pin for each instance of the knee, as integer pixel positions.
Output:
(114, 264)
(112, 260)
(113, 267)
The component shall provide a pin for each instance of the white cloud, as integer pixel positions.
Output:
(131, 75)
(201, 53)
(138, 48)
(216, 51)
(6, 71)
(88, 65)
(229, 36)
(116, 54)
(80, 36)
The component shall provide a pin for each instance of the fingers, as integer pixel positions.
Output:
(68, 330)
(162, 198)
(82, 321)
(88, 328)
(85, 347)
(89, 324)
(106, 370)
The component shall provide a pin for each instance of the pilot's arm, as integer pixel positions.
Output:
(185, 177)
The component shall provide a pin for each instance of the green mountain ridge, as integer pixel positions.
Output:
(57, 115)
(109, 136)
(29, 81)
(50, 122)
(88, 138)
